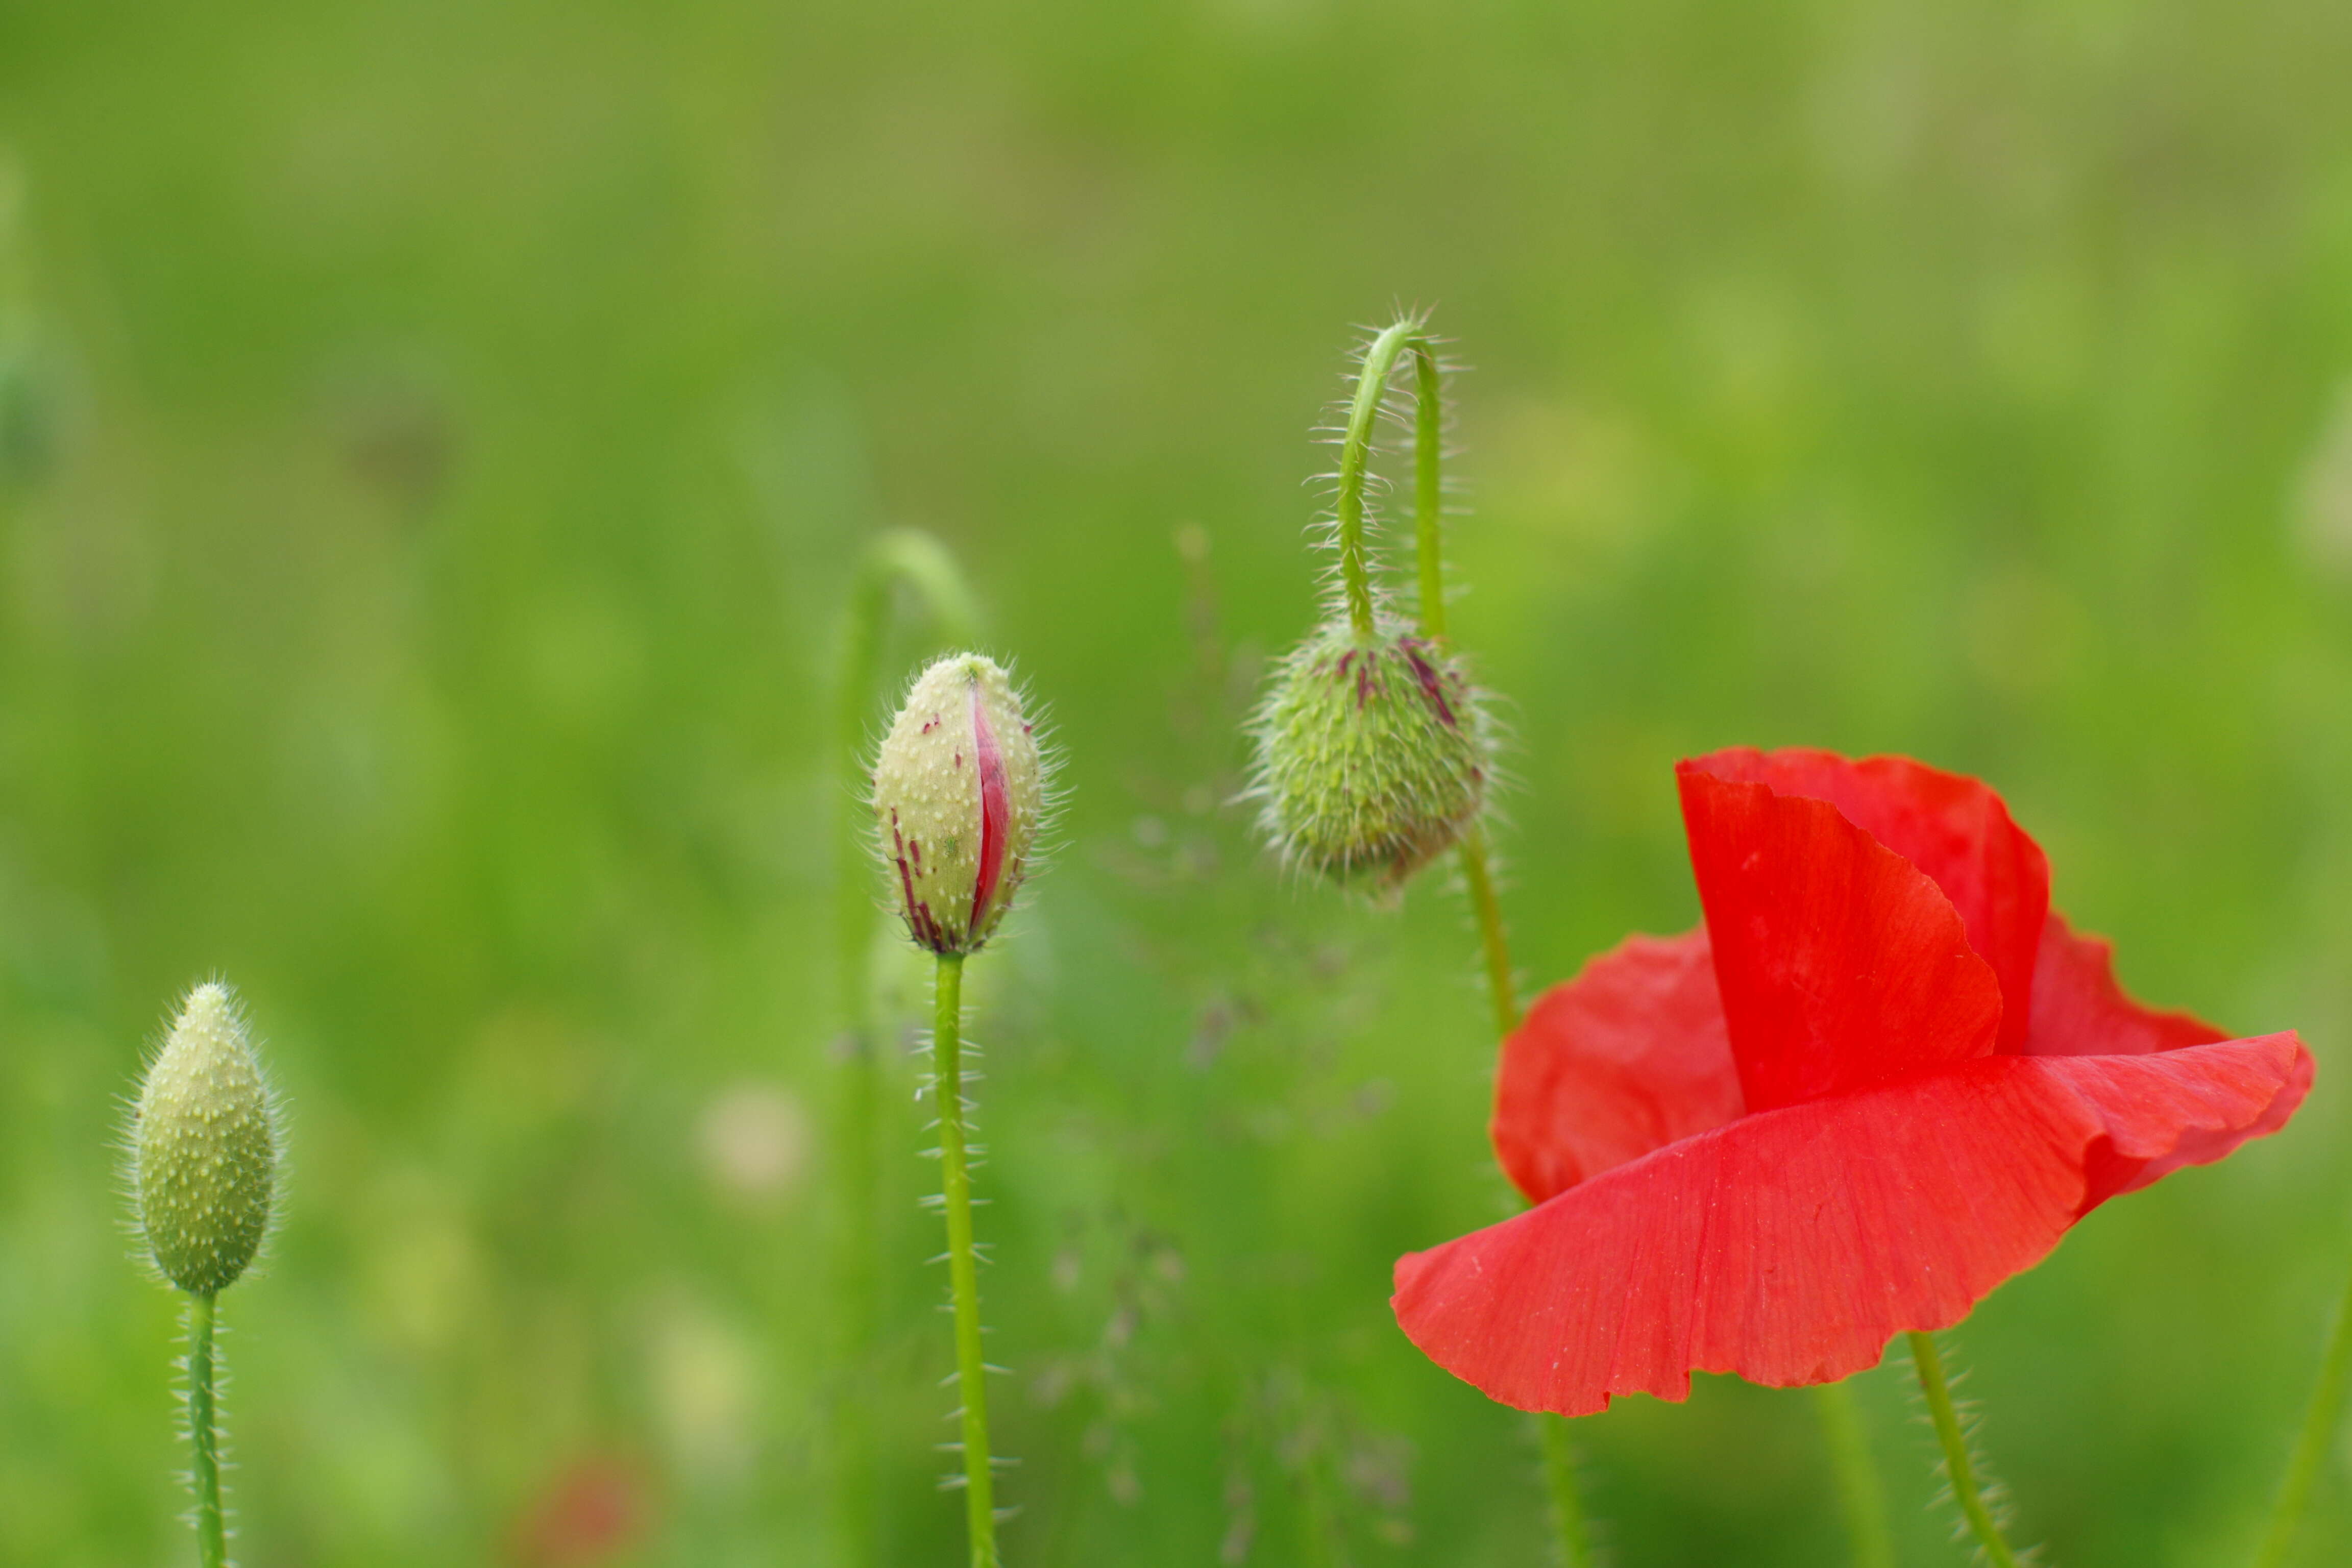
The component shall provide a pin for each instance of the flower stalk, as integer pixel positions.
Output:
(2320, 1427)
(1960, 1466)
(1860, 1497)
(204, 1435)
(1566, 1499)
(963, 1272)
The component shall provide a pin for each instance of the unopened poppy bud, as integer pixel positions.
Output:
(959, 789)
(1371, 754)
(205, 1147)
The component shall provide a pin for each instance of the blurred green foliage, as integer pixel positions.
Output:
(434, 445)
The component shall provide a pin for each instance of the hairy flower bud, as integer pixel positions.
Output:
(1371, 754)
(959, 789)
(203, 1141)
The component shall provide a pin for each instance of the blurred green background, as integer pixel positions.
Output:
(435, 441)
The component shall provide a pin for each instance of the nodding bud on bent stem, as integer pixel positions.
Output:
(204, 1143)
(1373, 754)
(959, 791)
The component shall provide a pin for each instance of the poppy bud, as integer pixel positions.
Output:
(204, 1142)
(959, 789)
(1371, 754)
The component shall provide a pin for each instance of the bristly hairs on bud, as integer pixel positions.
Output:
(1374, 749)
(203, 1160)
(965, 794)
(203, 1147)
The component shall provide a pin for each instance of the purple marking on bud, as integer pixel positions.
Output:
(1364, 685)
(919, 923)
(995, 809)
(1429, 682)
(1346, 659)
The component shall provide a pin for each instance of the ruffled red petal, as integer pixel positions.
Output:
(2079, 1011)
(1628, 1057)
(1952, 827)
(1841, 963)
(1788, 1246)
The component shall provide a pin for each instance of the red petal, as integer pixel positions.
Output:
(1789, 1247)
(995, 812)
(1841, 963)
(1951, 827)
(1628, 1057)
(2079, 1011)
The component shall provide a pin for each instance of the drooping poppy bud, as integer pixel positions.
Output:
(204, 1143)
(1371, 754)
(959, 791)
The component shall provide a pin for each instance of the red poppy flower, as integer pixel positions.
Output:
(1881, 1078)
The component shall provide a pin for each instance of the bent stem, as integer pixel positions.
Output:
(204, 1435)
(1928, 1359)
(964, 1274)
(922, 564)
(1860, 1497)
(1355, 455)
(2319, 1425)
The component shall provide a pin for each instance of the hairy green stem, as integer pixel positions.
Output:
(1356, 456)
(1928, 1359)
(921, 562)
(1428, 488)
(204, 1435)
(963, 1273)
(1493, 940)
(1860, 1497)
(2320, 1427)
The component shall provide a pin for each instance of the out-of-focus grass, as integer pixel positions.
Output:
(450, 428)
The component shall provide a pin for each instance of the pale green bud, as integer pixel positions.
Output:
(959, 792)
(204, 1143)
(1373, 754)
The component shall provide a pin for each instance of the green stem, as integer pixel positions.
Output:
(1567, 1501)
(910, 557)
(1928, 1359)
(1493, 939)
(204, 1435)
(1355, 460)
(2319, 1425)
(1428, 489)
(963, 1273)
(1860, 1496)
